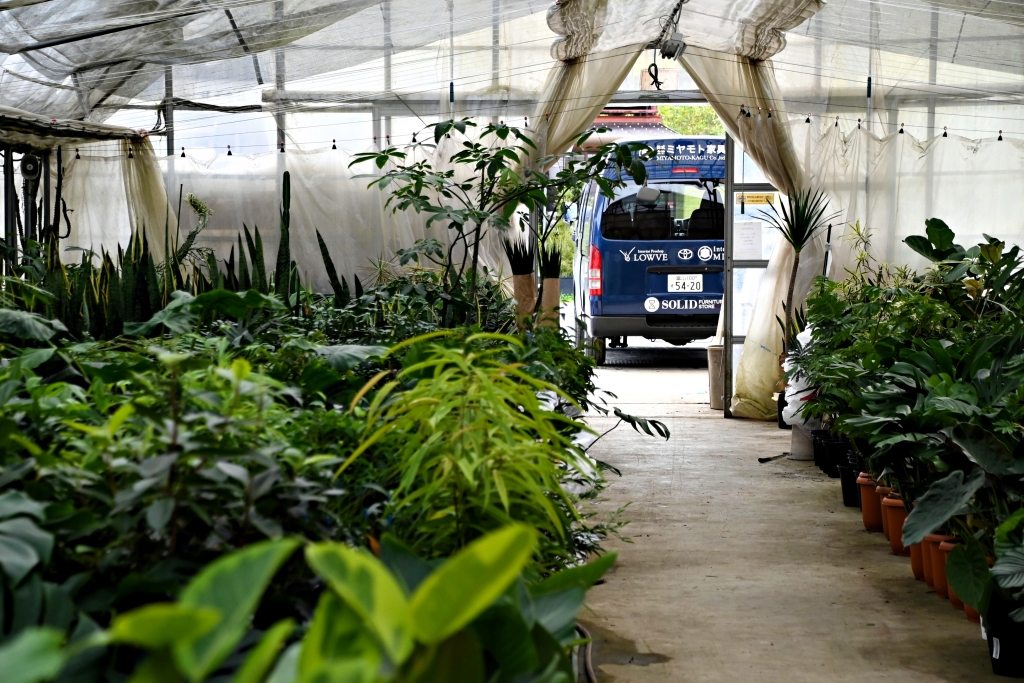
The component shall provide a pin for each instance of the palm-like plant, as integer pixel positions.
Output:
(799, 220)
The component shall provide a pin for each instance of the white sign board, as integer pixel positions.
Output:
(747, 241)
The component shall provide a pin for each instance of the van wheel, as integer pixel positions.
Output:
(598, 352)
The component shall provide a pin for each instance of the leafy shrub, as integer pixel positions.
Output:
(471, 618)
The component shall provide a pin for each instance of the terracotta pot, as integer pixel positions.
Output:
(917, 561)
(939, 564)
(926, 561)
(972, 614)
(870, 503)
(944, 548)
(896, 513)
(882, 492)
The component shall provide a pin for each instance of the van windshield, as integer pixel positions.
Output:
(680, 212)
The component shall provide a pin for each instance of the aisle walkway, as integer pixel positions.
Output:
(746, 573)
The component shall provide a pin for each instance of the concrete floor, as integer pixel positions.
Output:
(737, 571)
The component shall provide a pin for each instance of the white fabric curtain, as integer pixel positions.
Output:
(110, 194)
(745, 94)
(326, 195)
(894, 183)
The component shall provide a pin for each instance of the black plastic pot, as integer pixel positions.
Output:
(781, 405)
(1005, 639)
(848, 479)
(836, 453)
(817, 435)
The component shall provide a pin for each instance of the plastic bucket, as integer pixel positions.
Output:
(716, 376)
(1004, 640)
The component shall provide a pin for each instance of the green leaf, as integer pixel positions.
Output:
(370, 589)
(408, 568)
(939, 233)
(921, 245)
(233, 585)
(968, 574)
(17, 558)
(176, 317)
(506, 636)
(262, 657)
(1008, 571)
(985, 449)
(33, 656)
(338, 646)
(557, 611)
(28, 326)
(459, 659)
(233, 304)
(343, 357)
(583, 576)
(944, 498)
(17, 503)
(163, 624)
(464, 586)
(27, 532)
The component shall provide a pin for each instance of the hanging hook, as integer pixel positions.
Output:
(1000, 136)
(131, 155)
(334, 143)
(858, 124)
(182, 152)
(229, 150)
(77, 156)
(808, 119)
(901, 129)
(945, 132)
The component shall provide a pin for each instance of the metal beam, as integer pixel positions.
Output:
(648, 97)
(391, 104)
(730, 203)
(169, 108)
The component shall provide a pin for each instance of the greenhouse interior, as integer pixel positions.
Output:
(505, 341)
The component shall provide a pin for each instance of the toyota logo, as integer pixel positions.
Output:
(685, 254)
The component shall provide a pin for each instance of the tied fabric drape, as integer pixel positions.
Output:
(745, 94)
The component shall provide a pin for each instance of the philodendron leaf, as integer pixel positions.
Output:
(506, 636)
(25, 326)
(985, 449)
(943, 499)
(233, 585)
(33, 656)
(464, 586)
(346, 356)
(939, 233)
(17, 558)
(968, 574)
(367, 586)
(408, 568)
(163, 624)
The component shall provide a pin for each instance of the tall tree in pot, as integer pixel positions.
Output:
(799, 220)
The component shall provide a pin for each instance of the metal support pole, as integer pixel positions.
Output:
(46, 192)
(933, 60)
(10, 220)
(169, 108)
(389, 48)
(279, 77)
(495, 43)
(730, 204)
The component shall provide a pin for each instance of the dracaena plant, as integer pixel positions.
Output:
(799, 220)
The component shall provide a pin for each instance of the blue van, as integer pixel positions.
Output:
(650, 262)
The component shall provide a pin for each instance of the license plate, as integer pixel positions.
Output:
(685, 283)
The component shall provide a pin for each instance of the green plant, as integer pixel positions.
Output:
(474, 449)
(487, 187)
(471, 618)
(799, 220)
